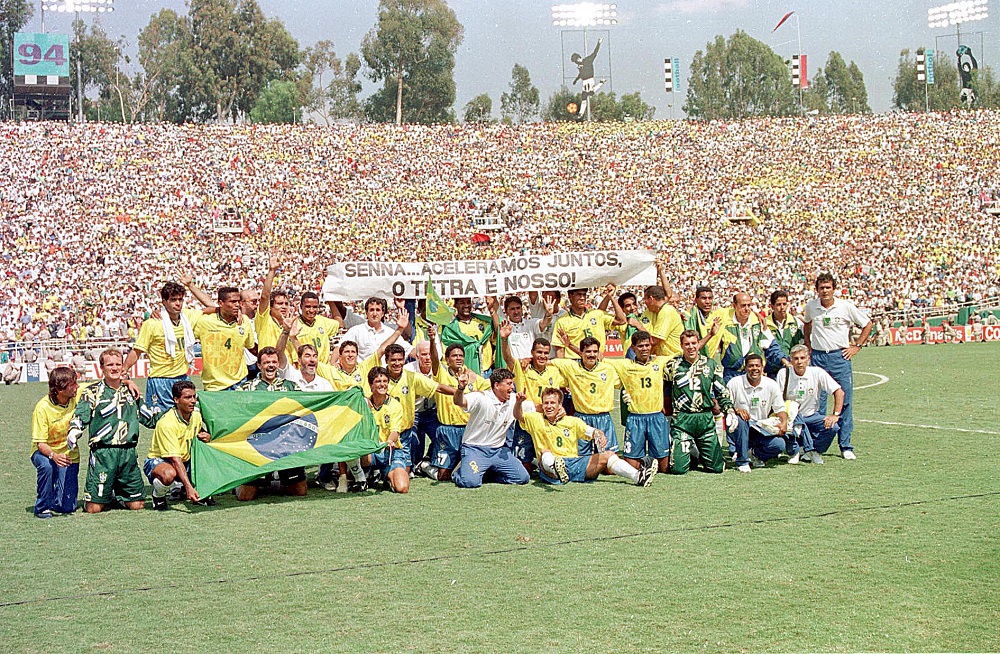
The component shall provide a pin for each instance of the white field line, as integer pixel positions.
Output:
(883, 379)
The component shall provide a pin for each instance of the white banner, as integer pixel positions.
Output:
(357, 280)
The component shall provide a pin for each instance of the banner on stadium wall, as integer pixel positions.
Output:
(914, 335)
(561, 271)
(140, 370)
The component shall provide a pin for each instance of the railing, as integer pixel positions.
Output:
(916, 313)
(59, 349)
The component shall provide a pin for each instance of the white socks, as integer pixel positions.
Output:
(548, 460)
(623, 469)
(159, 488)
(356, 470)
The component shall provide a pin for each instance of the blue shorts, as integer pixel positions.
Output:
(576, 466)
(160, 392)
(603, 422)
(522, 445)
(446, 446)
(493, 464)
(647, 433)
(149, 464)
(400, 459)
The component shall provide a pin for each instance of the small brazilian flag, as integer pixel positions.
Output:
(254, 433)
(438, 311)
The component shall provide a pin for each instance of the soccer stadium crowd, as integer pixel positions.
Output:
(98, 216)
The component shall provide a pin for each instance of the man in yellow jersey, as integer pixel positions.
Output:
(531, 380)
(315, 329)
(58, 467)
(169, 454)
(661, 321)
(393, 463)
(168, 343)
(223, 337)
(592, 383)
(452, 419)
(646, 430)
(272, 308)
(582, 322)
(474, 333)
(566, 451)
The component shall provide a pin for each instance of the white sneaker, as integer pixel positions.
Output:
(848, 455)
(330, 485)
(815, 457)
(423, 468)
(795, 458)
(744, 468)
(755, 462)
(343, 484)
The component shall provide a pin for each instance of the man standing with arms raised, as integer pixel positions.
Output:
(827, 330)
(223, 335)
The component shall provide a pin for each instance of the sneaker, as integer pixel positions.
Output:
(44, 515)
(795, 458)
(732, 457)
(160, 503)
(178, 494)
(848, 455)
(814, 457)
(331, 485)
(755, 462)
(646, 475)
(744, 468)
(559, 466)
(358, 487)
(343, 484)
(423, 468)
(208, 501)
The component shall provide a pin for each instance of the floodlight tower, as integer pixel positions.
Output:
(584, 15)
(77, 7)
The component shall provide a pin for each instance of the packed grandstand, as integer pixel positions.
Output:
(902, 208)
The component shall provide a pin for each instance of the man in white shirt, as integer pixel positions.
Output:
(803, 385)
(374, 332)
(524, 330)
(484, 455)
(762, 421)
(827, 330)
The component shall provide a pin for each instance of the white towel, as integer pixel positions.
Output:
(170, 339)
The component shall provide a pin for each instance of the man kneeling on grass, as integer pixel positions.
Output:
(565, 445)
(394, 461)
(169, 458)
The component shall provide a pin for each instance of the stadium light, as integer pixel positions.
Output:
(956, 13)
(584, 14)
(80, 6)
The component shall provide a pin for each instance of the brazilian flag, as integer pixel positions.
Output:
(437, 310)
(254, 433)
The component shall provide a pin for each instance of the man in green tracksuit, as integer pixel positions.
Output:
(111, 410)
(695, 381)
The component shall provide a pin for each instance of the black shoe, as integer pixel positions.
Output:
(208, 501)
(178, 494)
(358, 487)
(44, 514)
(646, 475)
(160, 503)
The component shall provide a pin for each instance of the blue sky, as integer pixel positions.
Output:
(500, 33)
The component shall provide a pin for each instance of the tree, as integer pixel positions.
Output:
(14, 15)
(164, 91)
(478, 109)
(908, 93)
(523, 101)
(277, 103)
(845, 86)
(411, 50)
(814, 98)
(336, 99)
(98, 56)
(738, 78)
(633, 105)
(604, 107)
(556, 107)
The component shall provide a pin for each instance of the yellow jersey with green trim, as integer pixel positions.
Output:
(407, 388)
(152, 341)
(593, 322)
(447, 412)
(339, 378)
(532, 383)
(475, 328)
(666, 325)
(388, 417)
(222, 345)
(643, 382)
(593, 390)
(318, 335)
(562, 438)
(173, 435)
(50, 425)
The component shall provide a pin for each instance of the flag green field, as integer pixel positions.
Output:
(438, 311)
(254, 433)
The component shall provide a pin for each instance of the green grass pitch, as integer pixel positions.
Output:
(897, 551)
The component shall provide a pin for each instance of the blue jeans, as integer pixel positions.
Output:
(765, 446)
(493, 464)
(57, 487)
(840, 369)
(424, 429)
(819, 436)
